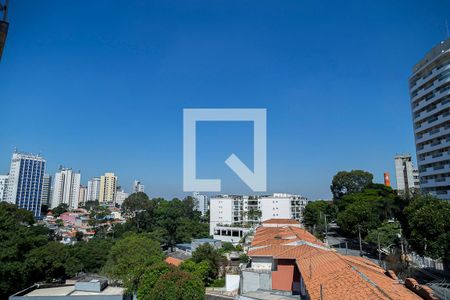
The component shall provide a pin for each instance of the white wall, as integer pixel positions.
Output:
(221, 212)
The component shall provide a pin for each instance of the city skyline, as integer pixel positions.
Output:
(306, 87)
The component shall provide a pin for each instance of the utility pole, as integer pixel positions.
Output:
(360, 244)
(379, 250)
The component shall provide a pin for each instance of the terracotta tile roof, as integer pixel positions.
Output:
(339, 276)
(282, 235)
(281, 221)
(173, 261)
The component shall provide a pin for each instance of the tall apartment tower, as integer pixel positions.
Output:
(82, 196)
(201, 202)
(404, 173)
(108, 186)
(430, 103)
(3, 182)
(138, 187)
(46, 189)
(66, 188)
(25, 180)
(93, 189)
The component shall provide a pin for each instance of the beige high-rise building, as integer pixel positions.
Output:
(108, 184)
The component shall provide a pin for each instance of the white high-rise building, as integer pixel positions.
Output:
(405, 173)
(235, 210)
(3, 182)
(121, 195)
(24, 187)
(66, 188)
(93, 189)
(429, 87)
(201, 202)
(138, 187)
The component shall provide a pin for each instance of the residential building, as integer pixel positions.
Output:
(121, 195)
(46, 189)
(82, 197)
(87, 288)
(3, 183)
(404, 173)
(201, 202)
(238, 210)
(25, 180)
(138, 187)
(93, 189)
(108, 186)
(66, 188)
(429, 87)
(289, 262)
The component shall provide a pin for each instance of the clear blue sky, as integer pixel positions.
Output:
(101, 85)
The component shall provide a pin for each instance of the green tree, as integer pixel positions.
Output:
(358, 215)
(344, 182)
(60, 209)
(428, 226)
(387, 233)
(208, 253)
(92, 255)
(18, 236)
(51, 261)
(178, 285)
(136, 208)
(130, 257)
(199, 270)
(149, 279)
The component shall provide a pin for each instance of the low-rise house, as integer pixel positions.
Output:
(289, 261)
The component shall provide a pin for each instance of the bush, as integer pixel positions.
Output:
(219, 282)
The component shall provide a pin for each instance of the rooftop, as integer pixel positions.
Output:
(325, 271)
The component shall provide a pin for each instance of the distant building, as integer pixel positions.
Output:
(46, 189)
(25, 180)
(201, 202)
(121, 195)
(387, 179)
(404, 173)
(66, 188)
(89, 288)
(93, 189)
(3, 182)
(429, 87)
(82, 198)
(108, 186)
(138, 187)
(235, 210)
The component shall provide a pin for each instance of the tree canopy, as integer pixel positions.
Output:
(344, 182)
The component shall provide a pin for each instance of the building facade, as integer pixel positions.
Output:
(121, 195)
(3, 183)
(138, 187)
(25, 180)
(405, 173)
(93, 189)
(66, 188)
(235, 210)
(429, 87)
(82, 198)
(201, 202)
(46, 189)
(108, 186)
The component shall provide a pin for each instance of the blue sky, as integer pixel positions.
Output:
(101, 86)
